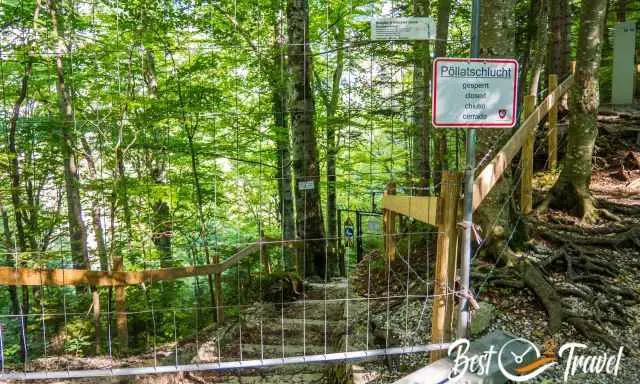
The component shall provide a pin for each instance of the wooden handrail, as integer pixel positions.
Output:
(60, 277)
(491, 174)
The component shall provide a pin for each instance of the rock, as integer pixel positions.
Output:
(207, 353)
(481, 319)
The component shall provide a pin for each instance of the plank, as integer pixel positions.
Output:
(60, 277)
(492, 173)
(421, 208)
(446, 256)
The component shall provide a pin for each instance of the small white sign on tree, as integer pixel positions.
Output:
(479, 93)
(403, 28)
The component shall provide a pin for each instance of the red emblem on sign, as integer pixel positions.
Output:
(502, 113)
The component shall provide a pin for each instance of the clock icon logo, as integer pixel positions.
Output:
(520, 360)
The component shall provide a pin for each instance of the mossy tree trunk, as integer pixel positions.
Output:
(280, 98)
(440, 50)
(571, 191)
(421, 105)
(497, 39)
(309, 221)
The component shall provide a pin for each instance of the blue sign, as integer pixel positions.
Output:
(348, 232)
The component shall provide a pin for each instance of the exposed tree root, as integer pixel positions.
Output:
(628, 238)
(616, 227)
(630, 210)
(589, 279)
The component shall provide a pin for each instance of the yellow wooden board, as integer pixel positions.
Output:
(421, 208)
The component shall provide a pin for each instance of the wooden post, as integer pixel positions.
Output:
(552, 140)
(573, 67)
(121, 309)
(526, 178)
(446, 256)
(389, 224)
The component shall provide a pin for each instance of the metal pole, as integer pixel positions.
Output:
(469, 172)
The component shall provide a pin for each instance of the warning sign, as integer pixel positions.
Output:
(403, 28)
(475, 92)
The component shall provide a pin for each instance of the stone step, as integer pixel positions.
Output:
(274, 331)
(269, 378)
(321, 291)
(313, 309)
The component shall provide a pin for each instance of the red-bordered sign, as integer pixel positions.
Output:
(473, 93)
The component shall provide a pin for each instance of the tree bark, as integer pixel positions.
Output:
(280, 98)
(14, 175)
(161, 215)
(440, 50)
(16, 307)
(621, 12)
(309, 221)
(98, 231)
(559, 51)
(497, 39)
(77, 230)
(421, 104)
(216, 296)
(571, 190)
(332, 100)
(539, 48)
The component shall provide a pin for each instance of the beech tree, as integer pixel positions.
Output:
(309, 222)
(571, 190)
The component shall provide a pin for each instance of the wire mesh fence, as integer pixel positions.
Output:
(171, 124)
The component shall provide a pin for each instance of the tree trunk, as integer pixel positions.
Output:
(16, 307)
(96, 221)
(71, 177)
(621, 12)
(280, 99)
(96, 217)
(571, 191)
(309, 221)
(538, 49)
(497, 39)
(559, 51)
(421, 104)
(161, 214)
(440, 50)
(14, 175)
(216, 296)
(331, 104)
(77, 230)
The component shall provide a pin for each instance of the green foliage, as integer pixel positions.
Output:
(78, 337)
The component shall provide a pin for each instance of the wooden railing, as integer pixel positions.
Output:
(443, 211)
(491, 174)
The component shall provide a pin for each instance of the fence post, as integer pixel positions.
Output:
(446, 256)
(552, 148)
(121, 309)
(526, 178)
(389, 224)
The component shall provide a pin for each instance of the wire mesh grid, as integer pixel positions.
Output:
(176, 118)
